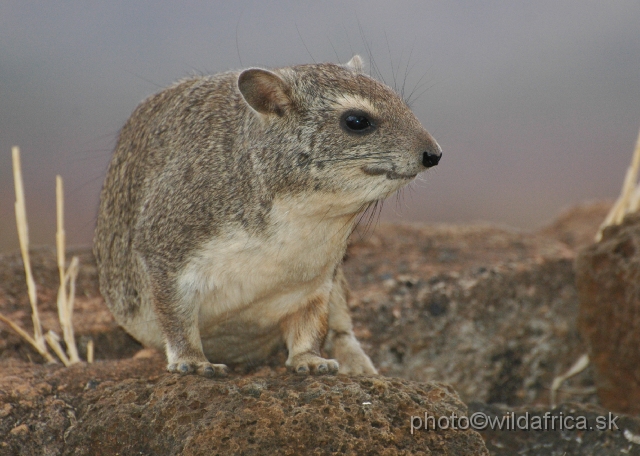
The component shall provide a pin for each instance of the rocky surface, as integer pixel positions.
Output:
(576, 226)
(489, 310)
(586, 429)
(500, 303)
(608, 276)
(133, 407)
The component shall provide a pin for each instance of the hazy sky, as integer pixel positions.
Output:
(536, 104)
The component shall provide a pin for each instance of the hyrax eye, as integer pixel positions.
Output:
(357, 122)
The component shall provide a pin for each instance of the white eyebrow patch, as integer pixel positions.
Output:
(355, 102)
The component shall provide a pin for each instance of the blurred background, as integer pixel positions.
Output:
(536, 104)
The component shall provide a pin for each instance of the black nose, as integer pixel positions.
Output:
(430, 159)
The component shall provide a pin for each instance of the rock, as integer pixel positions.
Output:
(578, 225)
(608, 280)
(511, 327)
(498, 323)
(606, 433)
(134, 407)
(489, 310)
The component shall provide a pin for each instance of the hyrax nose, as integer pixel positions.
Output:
(431, 156)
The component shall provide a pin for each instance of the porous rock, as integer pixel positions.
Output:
(608, 281)
(127, 407)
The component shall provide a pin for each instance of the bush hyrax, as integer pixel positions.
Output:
(227, 206)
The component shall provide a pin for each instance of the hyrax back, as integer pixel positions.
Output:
(227, 205)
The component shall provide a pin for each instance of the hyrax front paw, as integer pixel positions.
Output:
(205, 369)
(308, 363)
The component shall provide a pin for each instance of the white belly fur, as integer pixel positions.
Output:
(245, 285)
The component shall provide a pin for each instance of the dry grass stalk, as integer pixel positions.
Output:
(90, 351)
(65, 301)
(629, 199)
(54, 342)
(38, 340)
(67, 279)
(22, 333)
(581, 364)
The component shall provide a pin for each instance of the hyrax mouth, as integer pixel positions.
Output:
(390, 174)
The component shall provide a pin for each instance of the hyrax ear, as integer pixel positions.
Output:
(356, 64)
(264, 91)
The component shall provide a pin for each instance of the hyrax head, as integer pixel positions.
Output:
(338, 129)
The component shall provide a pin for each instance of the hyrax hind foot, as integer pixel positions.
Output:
(306, 363)
(353, 360)
(205, 369)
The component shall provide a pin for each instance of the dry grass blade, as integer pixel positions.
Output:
(65, 301)
(54, 342)
(581, 364)
(629, 198)
(67, 277)
(23, 236)
(71, 276)
(25, 335)
(90, 351)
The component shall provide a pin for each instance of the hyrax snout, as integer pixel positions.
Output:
(227, 205)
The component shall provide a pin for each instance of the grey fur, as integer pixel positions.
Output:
(207, 158)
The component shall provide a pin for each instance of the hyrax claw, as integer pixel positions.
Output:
(204, 369)
(307, 363)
